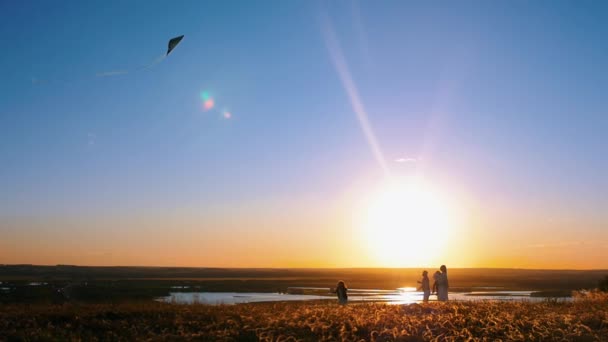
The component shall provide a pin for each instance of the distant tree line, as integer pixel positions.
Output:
(603, 284)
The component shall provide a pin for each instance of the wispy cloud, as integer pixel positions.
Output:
(560, 244)
(406, 160)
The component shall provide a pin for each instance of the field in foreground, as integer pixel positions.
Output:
(581, 320)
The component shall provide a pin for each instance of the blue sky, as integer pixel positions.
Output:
(505, 99)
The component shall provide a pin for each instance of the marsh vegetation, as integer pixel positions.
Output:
(584, 319)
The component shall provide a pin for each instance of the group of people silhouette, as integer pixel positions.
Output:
(440, 286)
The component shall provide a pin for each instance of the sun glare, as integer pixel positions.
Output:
(406, 224)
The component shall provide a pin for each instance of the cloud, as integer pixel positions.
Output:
(406, 160)
(538, 245)
(561, 244)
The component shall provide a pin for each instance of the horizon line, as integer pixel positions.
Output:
(306, 268)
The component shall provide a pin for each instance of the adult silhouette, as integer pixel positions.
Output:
(442, 284)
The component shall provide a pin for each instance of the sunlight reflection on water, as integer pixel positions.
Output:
(407, 295)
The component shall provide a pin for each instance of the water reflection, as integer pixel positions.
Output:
(406, 295)
(216, 298)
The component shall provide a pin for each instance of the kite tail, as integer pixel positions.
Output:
(156, 61)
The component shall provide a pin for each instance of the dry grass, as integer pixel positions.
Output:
(585, 319)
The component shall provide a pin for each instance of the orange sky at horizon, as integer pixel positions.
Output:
(289, 236)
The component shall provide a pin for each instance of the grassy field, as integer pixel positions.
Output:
(584, 319)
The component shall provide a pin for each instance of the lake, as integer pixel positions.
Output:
(406, 295)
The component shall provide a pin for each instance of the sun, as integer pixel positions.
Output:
(406, 223)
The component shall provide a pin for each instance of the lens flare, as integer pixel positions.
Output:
(339, 60)
(208, 104)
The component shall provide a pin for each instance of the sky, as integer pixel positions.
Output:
(113, 155)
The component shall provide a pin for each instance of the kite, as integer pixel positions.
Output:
(173, 43)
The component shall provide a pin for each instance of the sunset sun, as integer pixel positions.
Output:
(406, 223)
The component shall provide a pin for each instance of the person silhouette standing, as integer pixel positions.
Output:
(436, 276)
(425, 286)
(341, 292)
(442, 284)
